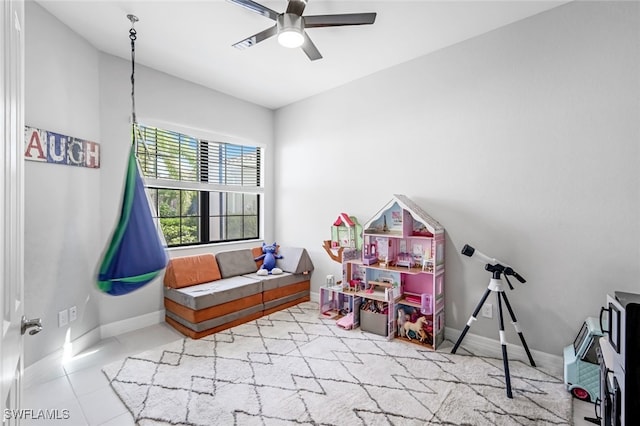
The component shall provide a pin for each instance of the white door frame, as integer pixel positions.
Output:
(11, 206)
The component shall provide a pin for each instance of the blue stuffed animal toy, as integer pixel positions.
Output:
(269, 255)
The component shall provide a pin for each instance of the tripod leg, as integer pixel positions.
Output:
(472, 318)
(503, 343)
(517, 327)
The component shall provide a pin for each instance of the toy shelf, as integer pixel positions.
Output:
(393, 234)
(406, 270)
(377, 291)
(404, 301)
(400, 235)
(381, 284)
(376, 295)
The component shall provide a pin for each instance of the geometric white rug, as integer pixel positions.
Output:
(293, 368)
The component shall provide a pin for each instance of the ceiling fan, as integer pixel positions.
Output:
(290, 25)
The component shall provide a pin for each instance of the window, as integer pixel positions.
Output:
(202, 191)
(590, 354)
(580, 338)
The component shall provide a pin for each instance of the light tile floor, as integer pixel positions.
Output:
(80, 387)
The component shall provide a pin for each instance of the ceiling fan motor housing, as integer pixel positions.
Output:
(290, 30)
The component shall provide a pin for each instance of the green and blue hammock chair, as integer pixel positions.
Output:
(136, 254)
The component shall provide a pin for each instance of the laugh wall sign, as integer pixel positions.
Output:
(50, 147)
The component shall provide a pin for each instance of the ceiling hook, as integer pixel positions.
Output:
(133, 19)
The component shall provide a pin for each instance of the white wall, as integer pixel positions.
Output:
(71, 212)
(522, 142)
(62, 203)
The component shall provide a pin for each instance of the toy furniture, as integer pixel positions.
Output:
(404, 259)
(208, 293)
(347, 322)
(369, 257)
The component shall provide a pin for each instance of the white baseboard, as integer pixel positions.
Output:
(485, 346)
(51, 365)
(131, 324)
(85, 341)
(97, 334)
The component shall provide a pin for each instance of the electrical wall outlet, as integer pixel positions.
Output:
(63, 318)
(73, 314)
(487, 310)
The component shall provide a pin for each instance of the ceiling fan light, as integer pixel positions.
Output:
(290, 30)
(290, 38)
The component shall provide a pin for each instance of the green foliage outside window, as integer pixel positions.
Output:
(179, 219)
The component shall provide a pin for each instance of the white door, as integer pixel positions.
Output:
(11, 204)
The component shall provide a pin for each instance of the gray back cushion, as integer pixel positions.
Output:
(295, 260)
(236, 262)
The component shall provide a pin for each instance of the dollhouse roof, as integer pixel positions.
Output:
(344, 219)
(415, 210)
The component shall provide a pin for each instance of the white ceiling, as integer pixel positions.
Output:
(192, 39)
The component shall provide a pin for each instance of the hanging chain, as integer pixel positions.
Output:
(132, 37)
(136, 136)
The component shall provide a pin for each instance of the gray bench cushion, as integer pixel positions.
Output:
(294, 259)
(214, 293)
(269, 282)
(236, 262)
(215, 322)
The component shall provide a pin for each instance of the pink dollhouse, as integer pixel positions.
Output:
(403, 240)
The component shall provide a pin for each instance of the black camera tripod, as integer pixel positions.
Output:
(495, 285)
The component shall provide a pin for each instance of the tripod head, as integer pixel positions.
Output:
(498, 269)
(493, 265)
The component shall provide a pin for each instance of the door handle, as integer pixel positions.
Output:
(35, 323)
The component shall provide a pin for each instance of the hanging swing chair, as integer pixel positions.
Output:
(136, 254)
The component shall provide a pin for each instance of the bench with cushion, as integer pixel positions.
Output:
(208, 293)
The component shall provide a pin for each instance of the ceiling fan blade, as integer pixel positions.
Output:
(256, 38)
(310, 49)
(316, 21)
(296, 7)
(257, 8)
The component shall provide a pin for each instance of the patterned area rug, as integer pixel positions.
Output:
(294, 368)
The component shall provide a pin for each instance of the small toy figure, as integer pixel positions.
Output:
(402, 318)
(416, 327)
(269, 255)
